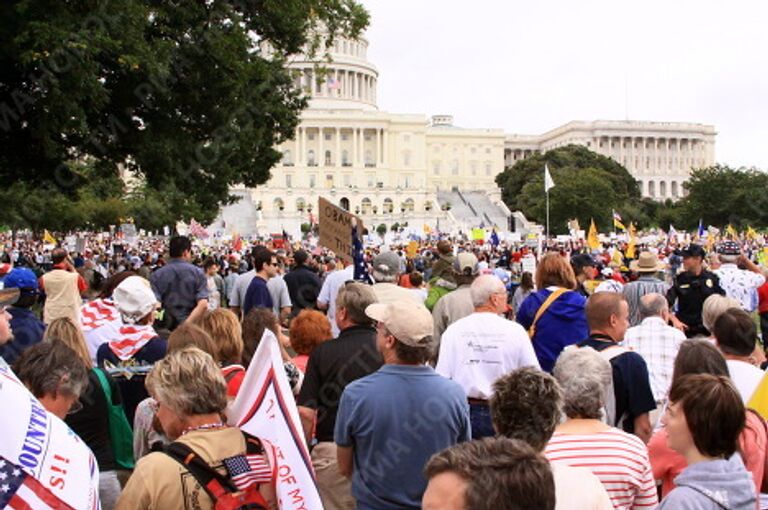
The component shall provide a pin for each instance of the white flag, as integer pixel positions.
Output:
(548, 182)
(265, 408)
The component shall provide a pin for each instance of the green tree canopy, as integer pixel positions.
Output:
(181, 94)
(587, 186)
(720, 195)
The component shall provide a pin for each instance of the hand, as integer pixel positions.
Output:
(677, 323)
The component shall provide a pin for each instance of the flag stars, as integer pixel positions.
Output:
(3, 475)
(5, 487)
(16, 472)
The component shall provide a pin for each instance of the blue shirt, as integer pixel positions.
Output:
(179, 285)
(395, 419)
(564, 323)
(27, 330)
(257, 295)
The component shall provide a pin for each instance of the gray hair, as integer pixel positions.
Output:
(714, 306)
(583, 375)
(355, 297)
(484, 287)
(50, 368)
(652, 305)
(728, 259)
(189, 382)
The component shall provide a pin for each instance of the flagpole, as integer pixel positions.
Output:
(547, 233)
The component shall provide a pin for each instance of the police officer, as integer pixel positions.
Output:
(690, 289)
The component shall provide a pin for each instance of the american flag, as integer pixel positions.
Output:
(247, 470)
(20, 491)
(131, 339)
(197, 229)
(333, 83)
(95, 314)
(360, 267)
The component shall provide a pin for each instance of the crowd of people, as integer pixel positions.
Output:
(436, 374)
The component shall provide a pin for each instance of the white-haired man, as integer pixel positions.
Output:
(483, 346)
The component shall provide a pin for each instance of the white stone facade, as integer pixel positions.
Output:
(660, 155)
(389, 168)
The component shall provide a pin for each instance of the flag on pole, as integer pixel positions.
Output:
(731, 232)
(548, 182)
(48, 238)
(617, 221)
(751, 234)
(266, 408)
(630, 254)
(701, 228)
(197, 229)
(360, 267)
(333, 83)
(592, 241)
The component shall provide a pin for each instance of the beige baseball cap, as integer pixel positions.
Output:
(409, 322)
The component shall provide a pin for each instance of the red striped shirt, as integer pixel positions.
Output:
(618, 459)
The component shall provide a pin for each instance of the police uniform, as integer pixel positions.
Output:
(690, 291)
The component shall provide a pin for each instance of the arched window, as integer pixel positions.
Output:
(663, 189)
(366, 205)
(344, 158)
(674, 189)
(301, 204)
(408, 205)
(344, 203)
(428, 205)
(328, 161)
(278, 204)
(388, 206)
(651, 189)
(311, 158)
(287, 161)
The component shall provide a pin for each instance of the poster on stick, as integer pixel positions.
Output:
(336, 229)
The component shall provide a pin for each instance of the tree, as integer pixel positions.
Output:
(720, 195)
(179, 94)
(381, 229)
(587, 186)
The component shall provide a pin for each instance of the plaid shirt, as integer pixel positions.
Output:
(658, 344)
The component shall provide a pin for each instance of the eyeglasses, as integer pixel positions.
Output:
(76, 407)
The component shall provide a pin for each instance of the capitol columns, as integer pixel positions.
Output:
(337, 155)
(321, 151)
(378, 146)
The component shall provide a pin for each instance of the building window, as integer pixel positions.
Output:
(674, 189)
(651, 188)
(288, 180)
(310, 136)
(300, 204)
(487, 150)
(455, 167)
(287, 161)
(371, 180)
(473, 167)
(328, 136)
(311, 158)
(345, 158)
(436, 168)
(329, 180)
(344, 203)
(328, 161)
(344, 137)
(663, 189)
(488, 169)
(406, 158)
(347, 181)
(278, 204)
(369, 158)
(367, 137)
(388, 206)
(312, 181)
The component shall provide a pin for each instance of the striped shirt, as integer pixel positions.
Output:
(633, 291)
(618, 459)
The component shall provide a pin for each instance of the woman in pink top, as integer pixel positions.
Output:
(618, 459)
(699, 356)
(308, 329)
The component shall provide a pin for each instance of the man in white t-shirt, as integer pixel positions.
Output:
(326, 300)
(735, 333)
(483, 346)
(739, 284)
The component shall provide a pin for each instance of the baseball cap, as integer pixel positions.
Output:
(134, 299)
(411, 323)
(21, 278)
(386, 264)
(729, 248)
(466, 263)
(694, 250)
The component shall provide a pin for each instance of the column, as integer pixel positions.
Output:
(378, 146)
(337, 90)
(314, 83)
(297, 146)
(354, 146)
(337, 156)
(385, 139)
(361, 146)
(320, 149)
(304, 145)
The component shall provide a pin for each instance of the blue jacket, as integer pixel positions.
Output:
(713, 485)
(564, 323)
(27, 331)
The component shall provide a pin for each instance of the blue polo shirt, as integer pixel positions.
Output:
(179, 285)
(395, 419)
(257, 295)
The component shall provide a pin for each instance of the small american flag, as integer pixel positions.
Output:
(247, 470)
(20, 491)
(95, 314)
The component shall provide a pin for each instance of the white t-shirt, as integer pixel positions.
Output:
(329, 291)
(746, 377)
(578, 489)
(481, 347)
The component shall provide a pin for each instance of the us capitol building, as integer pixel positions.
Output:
(405, 168)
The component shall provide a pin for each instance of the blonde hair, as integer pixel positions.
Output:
(555, 270)
(189, 382)
(714, 306)
(65, 330)
(227, 335)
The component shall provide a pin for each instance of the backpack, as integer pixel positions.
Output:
(610, 395)
(221, 489)
(437, 289)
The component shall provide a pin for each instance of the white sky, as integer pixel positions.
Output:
(528, 67)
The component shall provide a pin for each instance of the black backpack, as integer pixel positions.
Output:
(220, 488)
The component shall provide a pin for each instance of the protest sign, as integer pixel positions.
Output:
(43, 464)
(265, 408)
(336, 229)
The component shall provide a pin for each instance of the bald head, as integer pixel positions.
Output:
(653, 305)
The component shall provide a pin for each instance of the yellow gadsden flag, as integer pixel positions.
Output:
(630, 254)
(592, 241)
(48, 238)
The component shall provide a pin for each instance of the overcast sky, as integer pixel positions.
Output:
(528, 67)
